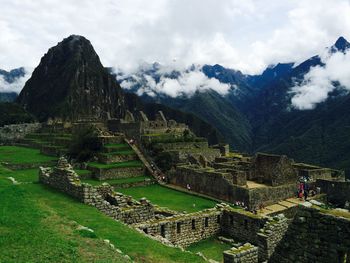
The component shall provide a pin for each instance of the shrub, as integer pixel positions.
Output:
(85, 144)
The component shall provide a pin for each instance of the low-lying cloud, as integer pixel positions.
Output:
(320, 81)
(185, 84)
(17, 84)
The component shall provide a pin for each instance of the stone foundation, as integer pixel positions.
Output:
(337, 192)
(314, 236)
(15, 132)
(183, 230)
(115, 205)
(241, 226)
(116, 173)
(270, 235)
(243, 254)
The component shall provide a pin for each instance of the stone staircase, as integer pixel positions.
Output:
(153, 170)
(281, 206)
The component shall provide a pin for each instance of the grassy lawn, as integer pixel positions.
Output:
(37, 224)
(33, 232)
(116, 181)
(82, 172)
(22, 155)
(117, 146)
(170, 198)
(116, 165)
(25, 176)
(211, 248)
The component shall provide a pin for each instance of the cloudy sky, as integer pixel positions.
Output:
(241, 34)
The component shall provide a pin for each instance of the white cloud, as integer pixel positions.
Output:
(319, 82)
(17, 84)
(243, 34)
(187, 83)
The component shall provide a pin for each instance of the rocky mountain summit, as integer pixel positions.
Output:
(70, 82)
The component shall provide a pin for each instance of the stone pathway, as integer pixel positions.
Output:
(281, 206)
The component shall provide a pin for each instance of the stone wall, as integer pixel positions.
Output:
(209, 153)
(11, 133)
(183, 230)
(210, 182)
(243, 254)
(243, 227)
(131, 130)
(314, 236)
(270, 195)
(180, 145)
(270, 235)
(116, 158)
(338, 192)
(273, 170)
(116, 173)
(220, 184)
(115, 205)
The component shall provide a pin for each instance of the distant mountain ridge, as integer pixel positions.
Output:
(261, 115)
(256, 114)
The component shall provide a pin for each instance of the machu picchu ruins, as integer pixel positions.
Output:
(92, 172)
(257, 205)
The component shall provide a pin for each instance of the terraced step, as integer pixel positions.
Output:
(116, 147)
(115, 157)
(116, 170)
(119, 182)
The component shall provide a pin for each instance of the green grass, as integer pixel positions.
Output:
(36, 225)
(116, 181)
(170, 198)
(211, 248)
(31, 231)
(116, 165)
(119, 146)
(22, 155)
(82, 172)
(24, 176)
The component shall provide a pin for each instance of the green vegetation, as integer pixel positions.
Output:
(117, 181)
(85, 144)
(31, 231)
(211, 248)
(126, 164)
(39, 224)
(170, 198)
(12, 113)
(117, 146)
(22, 155)
(24, 176)
(82, 172)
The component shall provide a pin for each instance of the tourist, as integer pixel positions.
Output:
(301, 189)
(188, 187)
(306, 191)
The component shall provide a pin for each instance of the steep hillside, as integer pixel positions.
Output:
(70, 82)
(318, 136)
(11, 113)
(220, 113)
(7, 96)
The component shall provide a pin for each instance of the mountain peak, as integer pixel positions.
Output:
(71, 83)
(340, 45)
